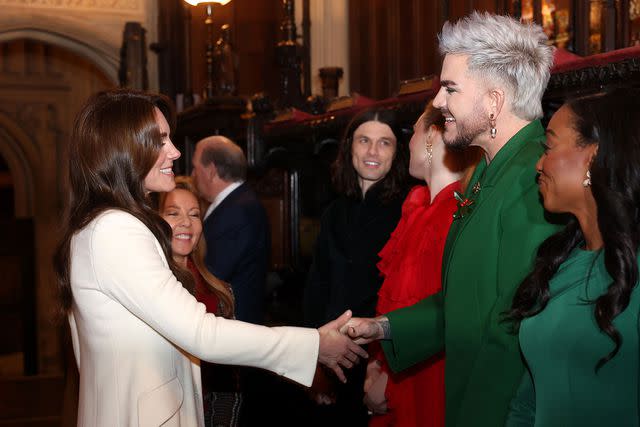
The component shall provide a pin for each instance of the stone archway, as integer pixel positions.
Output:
(102, 58)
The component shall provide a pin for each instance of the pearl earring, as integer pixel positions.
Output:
(492, 123)
(587, 181)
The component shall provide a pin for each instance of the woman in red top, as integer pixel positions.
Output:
(182, 210)
(411, 264)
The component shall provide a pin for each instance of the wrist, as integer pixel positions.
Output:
(384, 328)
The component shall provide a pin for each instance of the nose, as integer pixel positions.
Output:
(438, 101)
(372, 149)
(185, 221)
(539, 163)
(173, 153)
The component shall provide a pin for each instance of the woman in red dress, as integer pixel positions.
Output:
(411, 264)
(181, 209)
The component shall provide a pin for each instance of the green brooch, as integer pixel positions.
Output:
(464, 206)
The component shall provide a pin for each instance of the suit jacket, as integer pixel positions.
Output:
(237, 237)
(488, 253)
(138, 334)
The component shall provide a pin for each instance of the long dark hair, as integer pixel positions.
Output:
(219, 287)
(345, 177)
(610, 121)
(114, 143)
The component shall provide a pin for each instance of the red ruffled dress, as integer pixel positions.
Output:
(411, 263)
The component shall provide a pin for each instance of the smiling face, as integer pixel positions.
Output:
(182, 212)
(372, 152)
(160, 177)
(563, 166)
(461, 100)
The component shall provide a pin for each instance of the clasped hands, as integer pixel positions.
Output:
(340, 342)
(341, 338)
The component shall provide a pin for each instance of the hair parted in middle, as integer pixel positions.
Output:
(220, 288)
(506, 53)
(226, 156)
(344, 175)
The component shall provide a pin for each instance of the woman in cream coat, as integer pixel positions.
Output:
(138, 333)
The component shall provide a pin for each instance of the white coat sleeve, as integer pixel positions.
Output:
(130, 268)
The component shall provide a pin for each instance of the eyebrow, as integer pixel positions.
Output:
(550, 132)
(447, 83)
(164, 134)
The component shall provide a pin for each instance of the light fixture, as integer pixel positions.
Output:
(197, 2)
(208, 22)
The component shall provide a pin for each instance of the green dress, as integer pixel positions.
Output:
(488, 253)
(562, 345)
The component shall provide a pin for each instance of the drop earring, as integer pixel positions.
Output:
(492, 123)
(429, 150)
(587, 180)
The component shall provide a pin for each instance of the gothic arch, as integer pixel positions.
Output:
(102, 58)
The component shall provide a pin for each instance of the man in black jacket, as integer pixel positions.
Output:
(370, 176)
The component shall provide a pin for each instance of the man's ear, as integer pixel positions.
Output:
(496, 101)
(212, 172)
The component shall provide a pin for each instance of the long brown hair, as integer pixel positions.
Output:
(219, 287)
(114, 143)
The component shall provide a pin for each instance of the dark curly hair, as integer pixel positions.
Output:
(345, 177)
(609, 120)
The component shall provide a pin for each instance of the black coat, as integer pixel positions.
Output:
(343, 274)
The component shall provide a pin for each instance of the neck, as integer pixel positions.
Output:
(439, 180)
(220, 186)
(181, 260)
(588, 220)
(365, 185)
(507, 128)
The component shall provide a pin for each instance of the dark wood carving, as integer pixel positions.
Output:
(133, 57)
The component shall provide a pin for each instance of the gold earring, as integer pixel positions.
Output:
(492, 123)
(429, 149)
(587, 181)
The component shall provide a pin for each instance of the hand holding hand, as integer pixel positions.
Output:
(365, 330)
(336, 349)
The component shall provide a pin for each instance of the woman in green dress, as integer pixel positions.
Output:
(578, 310)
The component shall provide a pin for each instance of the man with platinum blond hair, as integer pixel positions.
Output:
(494, 73)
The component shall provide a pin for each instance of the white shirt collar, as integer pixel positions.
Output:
(220, 197)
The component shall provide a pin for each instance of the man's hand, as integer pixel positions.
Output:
(336, 349)
(365, 330)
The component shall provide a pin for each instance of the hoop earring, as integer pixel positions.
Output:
(492, 123)
(587, 181)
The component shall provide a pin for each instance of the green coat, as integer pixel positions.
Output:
(488, 253)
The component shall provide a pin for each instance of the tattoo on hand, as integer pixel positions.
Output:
(383, 323)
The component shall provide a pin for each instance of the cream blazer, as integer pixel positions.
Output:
(138, 334)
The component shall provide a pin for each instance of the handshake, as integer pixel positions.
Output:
(341, 338)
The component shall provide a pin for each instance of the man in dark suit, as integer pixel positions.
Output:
(236, 228)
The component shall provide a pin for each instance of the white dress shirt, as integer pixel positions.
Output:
(220, 197)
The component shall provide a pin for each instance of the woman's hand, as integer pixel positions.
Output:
(336, 349)
(375, 384)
